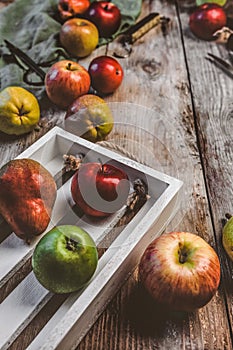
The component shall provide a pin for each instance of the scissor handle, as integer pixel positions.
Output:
(30, 82)
(144, 25)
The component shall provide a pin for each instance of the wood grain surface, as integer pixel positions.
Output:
(189, 137)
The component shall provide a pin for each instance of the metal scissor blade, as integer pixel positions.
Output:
(219, 62)
(32, 66)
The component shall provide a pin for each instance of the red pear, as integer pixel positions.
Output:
(27, 196)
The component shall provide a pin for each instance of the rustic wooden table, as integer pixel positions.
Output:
(170, 75)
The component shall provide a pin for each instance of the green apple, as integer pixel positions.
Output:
(218, 2)
(79, 37)
(19, 111)
(90, 117)
(227, 238)
(65, 259)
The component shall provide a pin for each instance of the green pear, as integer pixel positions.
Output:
(90, 117)
(218, 2)
(227, 238)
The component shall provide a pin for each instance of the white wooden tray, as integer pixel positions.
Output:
(78, 312)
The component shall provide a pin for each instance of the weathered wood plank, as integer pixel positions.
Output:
(212, 93)
(156, 77)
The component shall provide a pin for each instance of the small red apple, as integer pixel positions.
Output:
(65, 81)
(180, 270)
(79, 37)
(99, 189)
(71, 8)
(106, 16)
(206, 20)
(106, 74)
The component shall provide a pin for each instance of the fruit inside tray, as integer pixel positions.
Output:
(120, 239)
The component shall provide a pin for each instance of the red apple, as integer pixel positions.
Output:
(99, 189)
(106, 16)
(180, 270)
(106, 74)
(206, 20)
(71, 8)
(65, 81)
(79, 37)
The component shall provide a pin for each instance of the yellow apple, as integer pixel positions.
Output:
(79, 37)
(19, 111)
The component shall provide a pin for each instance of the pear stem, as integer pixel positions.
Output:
(101, 164)
(228, 216)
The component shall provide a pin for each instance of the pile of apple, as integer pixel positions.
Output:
(66, 257)
(68, 84)
(66, 81)
(179, 269)
(84, 23)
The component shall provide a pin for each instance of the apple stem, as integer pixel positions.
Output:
(71, 162)
(183, 254)
(101, 164)
(69, 65)
(71, 244)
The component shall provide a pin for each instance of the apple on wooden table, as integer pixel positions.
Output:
(206, 20)
(106, 16)
(65, 81)
(106, 74)
(79, 37)
(180, 270)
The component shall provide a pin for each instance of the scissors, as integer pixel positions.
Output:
(226, 66)
(123, 45)
(29, 66)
